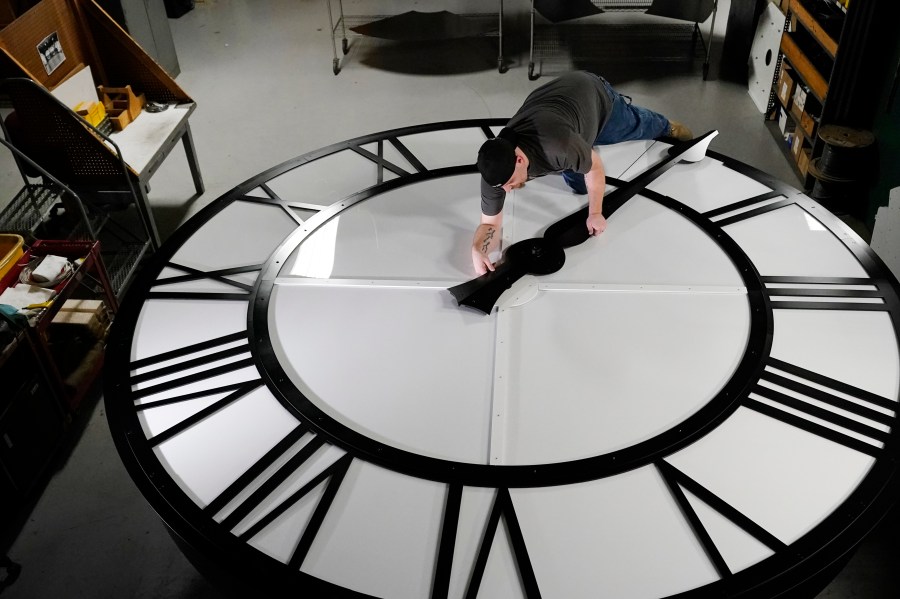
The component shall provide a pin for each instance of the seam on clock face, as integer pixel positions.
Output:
(716, 410)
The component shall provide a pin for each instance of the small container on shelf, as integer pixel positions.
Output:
(803, 160)
(10, 251)
(122, 105)
(786, 85)
(801, 92)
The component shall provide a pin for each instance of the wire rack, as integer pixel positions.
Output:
(121, 263)
(30, 206)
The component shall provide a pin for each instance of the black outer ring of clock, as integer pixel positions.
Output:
(801, 570)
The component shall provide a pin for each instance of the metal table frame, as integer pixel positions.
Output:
(629, 6)
(341, 24)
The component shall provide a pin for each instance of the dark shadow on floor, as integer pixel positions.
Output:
(620, 52)
(440, 57)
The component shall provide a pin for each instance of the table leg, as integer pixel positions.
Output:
(146, 214)
(191, 153)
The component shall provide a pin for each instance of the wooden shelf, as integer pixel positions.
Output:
(815, 29)
(802, 65)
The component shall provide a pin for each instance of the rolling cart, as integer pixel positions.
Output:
(692, 11)
(342, 27)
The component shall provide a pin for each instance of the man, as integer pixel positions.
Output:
(554, 132)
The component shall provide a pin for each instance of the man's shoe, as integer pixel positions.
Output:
(679, 131)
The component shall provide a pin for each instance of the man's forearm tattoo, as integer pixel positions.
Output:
(487, 240)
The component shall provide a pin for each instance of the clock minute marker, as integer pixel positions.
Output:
(755, 206)
(546, 255)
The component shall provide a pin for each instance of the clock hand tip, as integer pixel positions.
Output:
(693, 150)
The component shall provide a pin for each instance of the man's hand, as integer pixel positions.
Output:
(596, 224)
(487, 240)
(595, 180)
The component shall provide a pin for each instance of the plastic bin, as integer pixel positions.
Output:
(10, 252)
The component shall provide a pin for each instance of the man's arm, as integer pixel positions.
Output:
(595, 181)
(487, 239)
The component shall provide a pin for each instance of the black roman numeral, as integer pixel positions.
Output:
(764, 205)
(224, 350)
(864, 407)
(804, 293)
(289, 208)
(676, 481)
(226, 347)
(170, 432)
(332, 476)
(503, 506)
(380, 160)
(242, 292)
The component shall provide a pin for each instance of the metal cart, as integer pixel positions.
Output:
(50, 208)
(666, 8)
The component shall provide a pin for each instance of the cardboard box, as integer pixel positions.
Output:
(84, 320)
(789, 138)
(90, 314)
(786, 85)
(803, 160)
(10, 252)
(797, 146)
(800, 93)
(808, 124)
(783, 120)
(93, 307)
(84, 305)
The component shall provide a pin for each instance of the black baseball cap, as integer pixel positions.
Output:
(497, 161)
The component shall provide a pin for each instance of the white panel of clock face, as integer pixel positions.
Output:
(243, 233)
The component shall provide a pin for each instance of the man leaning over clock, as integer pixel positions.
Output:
(554, 132)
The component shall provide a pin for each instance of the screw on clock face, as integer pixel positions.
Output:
(546, 255)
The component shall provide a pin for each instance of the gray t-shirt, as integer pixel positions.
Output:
(556, 127)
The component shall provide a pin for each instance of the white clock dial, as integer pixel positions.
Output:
(701, 402)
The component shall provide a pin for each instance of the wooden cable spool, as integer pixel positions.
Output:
(845, 153)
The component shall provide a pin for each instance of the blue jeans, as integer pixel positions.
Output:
(626, 123)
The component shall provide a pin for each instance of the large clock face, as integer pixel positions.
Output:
(702, 401)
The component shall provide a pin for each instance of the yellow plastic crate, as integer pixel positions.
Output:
(10, 252)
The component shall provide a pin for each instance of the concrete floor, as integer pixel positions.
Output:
(261, 75)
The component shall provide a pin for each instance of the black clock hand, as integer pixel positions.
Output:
(535, 256)
(571, 230)
(540, 256)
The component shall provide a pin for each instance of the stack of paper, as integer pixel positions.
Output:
(22, 296)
